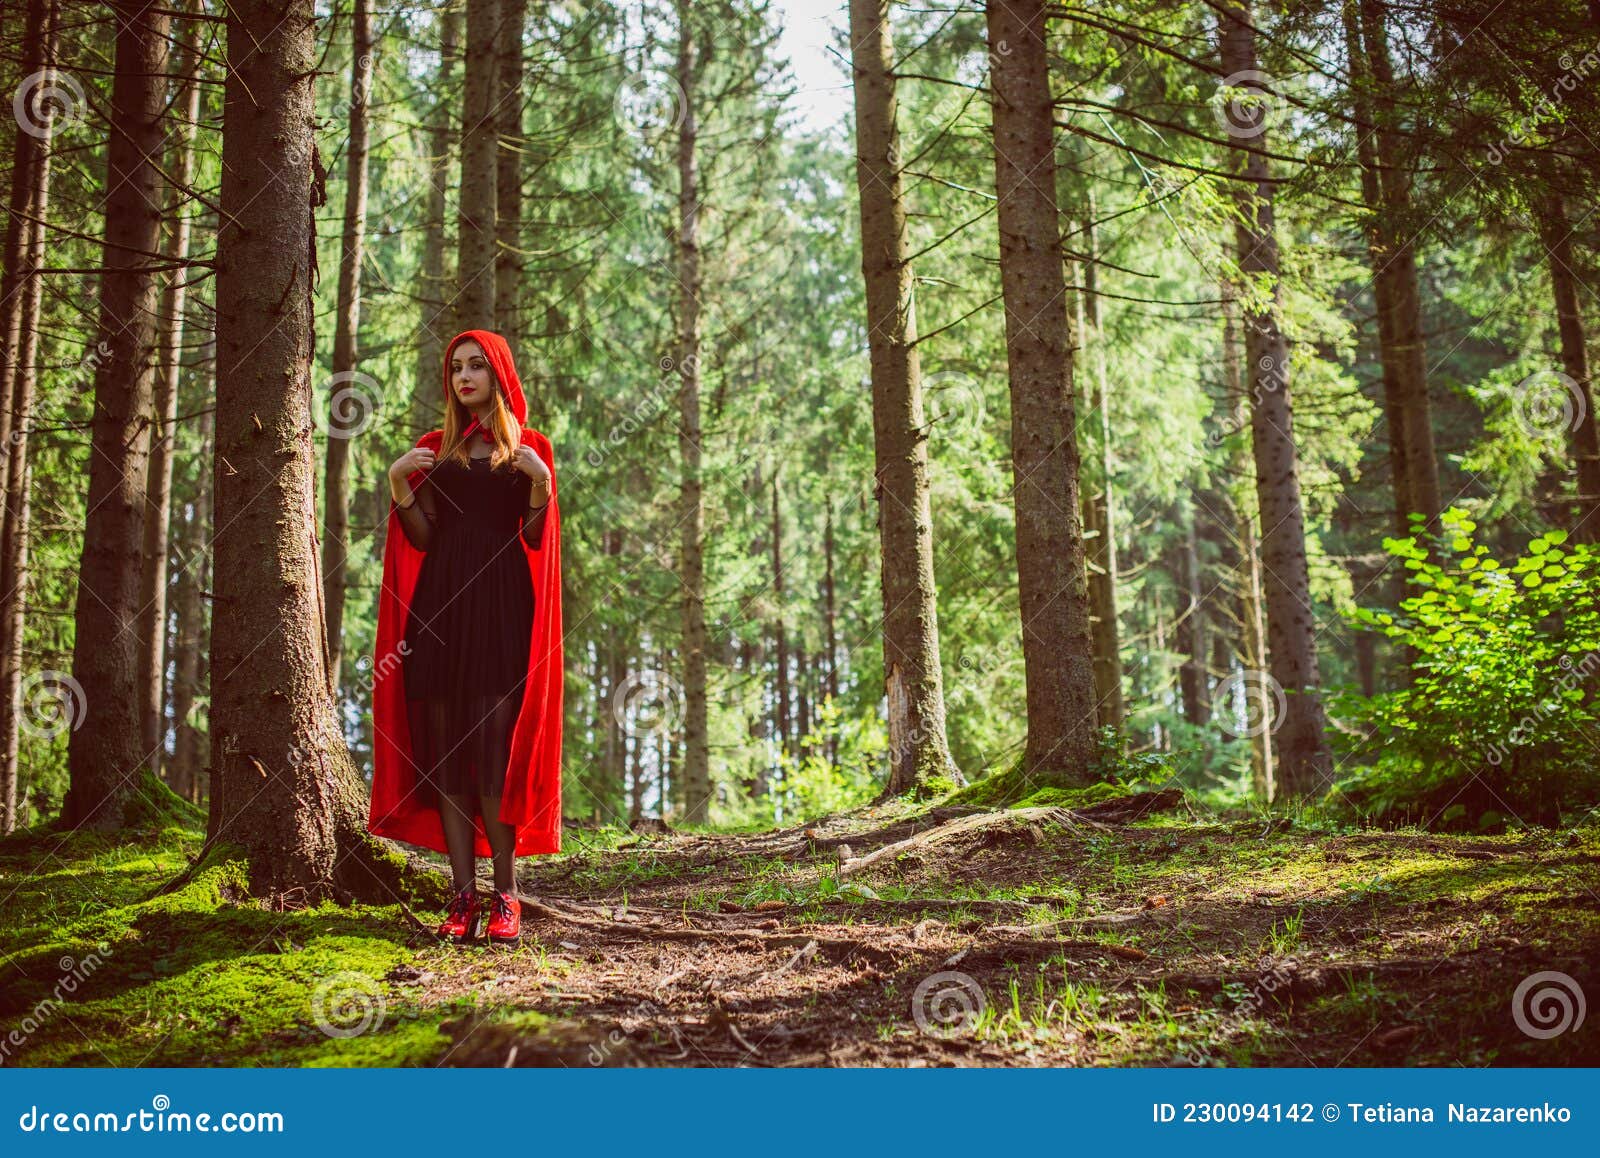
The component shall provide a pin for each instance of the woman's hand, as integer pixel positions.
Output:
(415, 459)
(527, 460)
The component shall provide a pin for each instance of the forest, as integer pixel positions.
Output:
(1079, 527)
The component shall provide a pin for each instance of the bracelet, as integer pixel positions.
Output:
(407, 506)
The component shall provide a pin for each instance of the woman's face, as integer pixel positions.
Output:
(470, 375)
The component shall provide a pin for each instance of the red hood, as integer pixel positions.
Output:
(499, 355)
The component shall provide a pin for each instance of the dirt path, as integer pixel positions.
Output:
(1036, 937)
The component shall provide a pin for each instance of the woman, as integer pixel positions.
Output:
(467, 721)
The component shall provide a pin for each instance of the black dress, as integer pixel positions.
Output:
(471, 616)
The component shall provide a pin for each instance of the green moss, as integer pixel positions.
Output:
(155, 806)
(101, 968)
(1072, 797)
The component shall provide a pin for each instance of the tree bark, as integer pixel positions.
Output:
(1305, 764)
(1557, 238)
(1392, 259)
(1252, 610)
(919, 754)
(477, 224)
(106, 755)
(1099, 513)
(437, 312)
(284, 788)
(613, 779)
(158, 509)
(1397, 264)
(346, 411)
(21, 294)
(1191, 625)
(802, 708)
(508, 178)
(192, 637)
(831, 626)
(783, 721)
(697, 751)
(1057, 647)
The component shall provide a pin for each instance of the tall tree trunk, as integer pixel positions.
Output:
(106, 755)
(802, 710)
(284, 788)
(508, 179)
(1305, 764)
(1191, 626)
(614, 775)
(189, 683)
(1159, 738)
(1396, 236)
(635, 770)
(1099, 514)
(781, 717)
(158, 509)
(21, 294)
(697, 752)
(477, 224)
(1557, 238)
(1252, 610)
(437, 312)
(831, 626)
(919, 753)
(29, 159)
(1057, 648)
(1401, 347)
(345, 409)
(1378, 249)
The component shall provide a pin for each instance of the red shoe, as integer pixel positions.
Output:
(460, 926)
(505, 918)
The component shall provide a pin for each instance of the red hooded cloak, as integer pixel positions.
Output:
(532, 799)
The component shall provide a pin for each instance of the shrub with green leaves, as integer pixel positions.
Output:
(1501, 721)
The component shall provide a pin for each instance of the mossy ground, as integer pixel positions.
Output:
(1217, 941)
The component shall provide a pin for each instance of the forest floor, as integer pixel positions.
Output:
(1037, 935)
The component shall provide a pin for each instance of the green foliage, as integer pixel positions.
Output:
(1500, 720)
(811, 784)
